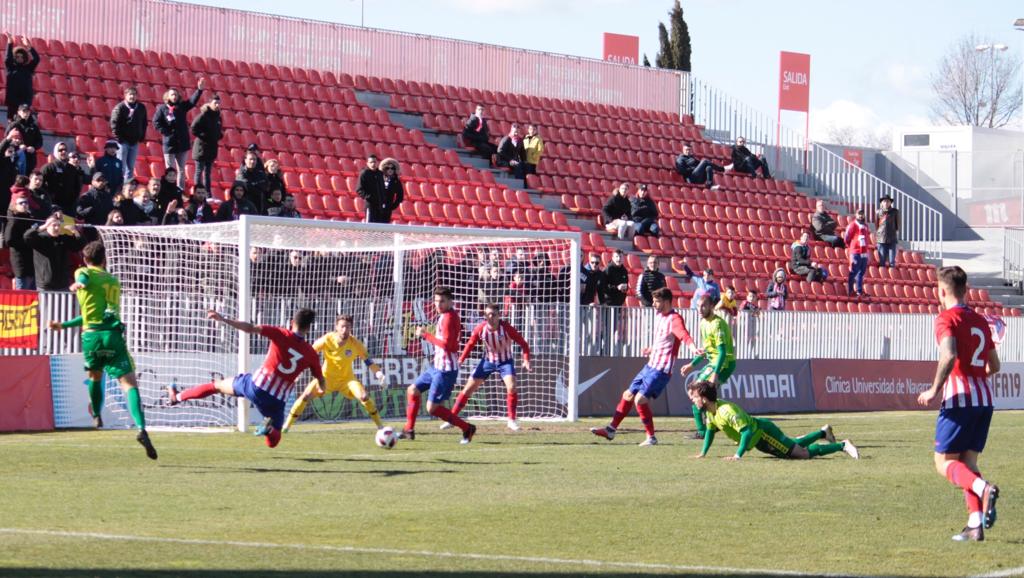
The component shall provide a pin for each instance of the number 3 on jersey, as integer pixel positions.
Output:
(292, 365)
(976, 360)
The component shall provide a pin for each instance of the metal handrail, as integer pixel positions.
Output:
(1013, 254)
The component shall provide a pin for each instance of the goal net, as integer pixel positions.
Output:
(382, 275)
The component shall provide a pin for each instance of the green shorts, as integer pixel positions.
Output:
(723, 376)
(105, 350)
(773, 442)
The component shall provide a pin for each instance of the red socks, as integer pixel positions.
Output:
(513, 402)
(973, 502)
(412, 409)
(273, 438)
(460, 402)
(625, 405)
(646, 417)
(447, 415)
(960, 475)
(197, 392)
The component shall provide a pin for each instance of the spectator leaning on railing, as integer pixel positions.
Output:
(706, 285)
(616, 280)
(887, 223)
(592, 282)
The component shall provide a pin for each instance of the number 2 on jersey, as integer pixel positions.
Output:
(976, 360)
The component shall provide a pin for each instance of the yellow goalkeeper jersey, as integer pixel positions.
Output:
(338, 356)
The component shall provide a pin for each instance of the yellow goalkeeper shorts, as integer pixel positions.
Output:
(351, 389)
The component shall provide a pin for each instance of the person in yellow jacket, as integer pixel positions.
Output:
(534, 149)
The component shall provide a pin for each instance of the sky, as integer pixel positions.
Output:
(870, 60)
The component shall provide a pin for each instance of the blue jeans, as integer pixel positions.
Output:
(202, 177)
(127, 154)
(887, 254)
(25, 283)
(648, 227)
(177, 161)
(858, 267)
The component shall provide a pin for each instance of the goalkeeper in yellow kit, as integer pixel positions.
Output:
(340, 349)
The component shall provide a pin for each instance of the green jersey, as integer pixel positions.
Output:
(731, 420)
(99, 298)
(715, 334)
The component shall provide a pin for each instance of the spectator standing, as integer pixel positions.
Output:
(697, 171)
(63, 179)
(40, 201)
(51, 253)
(208, 129)
(512, 153)
(727, 307)
(644, 212)
(253, 177)
(519, 263)
(887, 223)
(237, 205)
(8, 172)
(744, 161)
(20, 65)
(616, 281)
(534, 146)
(777, 292)
(858, 243)
(617, 212)
(800, 263)
(16, 155)
(128, 123)
(19, 220)
(110, 165)
(170, 120)
(750, 304)
(825, 226)
(706, 285)
(275, 178)
(592, 282)
(649, 281)
(94, 206)
(392, 192)
(476, 135)
(31, 135)
(371, 189)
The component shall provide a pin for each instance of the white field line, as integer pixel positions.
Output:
(1003, 573)
(407, 553)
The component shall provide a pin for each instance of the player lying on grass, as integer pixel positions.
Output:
(441, 377)
(967, 357)
(669, 332)
(288, 356)
(757, 432)
(498, 336)
(340, 349)
(718, 350)
(103, 346)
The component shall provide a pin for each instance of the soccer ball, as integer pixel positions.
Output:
(386, 438)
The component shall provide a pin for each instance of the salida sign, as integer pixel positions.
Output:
(621, 48)
(794, 81)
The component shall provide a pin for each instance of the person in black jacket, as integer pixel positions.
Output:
(593, 288)
(617, 213)
(94, 206)
(391, 191)
(208, 130)
(649, 281)
(166, 189)
(19, 158)
(744, 161)
(616, 280)
(800, 263)
(19, 220)
(237, 205)
(511, 152)
(645, 213)
(371, 189)
(170, 120)
(51, 253)
(128, 125)
(31, 135)
(63, 179)
(198, 209)
(698, 172)
(275, 178)
(475, 134)
(253, 177)
(20, 64)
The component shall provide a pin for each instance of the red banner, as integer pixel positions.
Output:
(854, 157)
(25, 389)
(794, 81)
(869, 385)
(621, 48)
(19, 319)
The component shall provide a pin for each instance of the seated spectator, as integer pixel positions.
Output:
(644, 212)
(274, 202)
(650, 280)
(237, 205)
(706, 285)
(887, 224)
(288, 209)
(476, 135)
(616, 280)
(63, 179)
(20, 65)
(31, 135)
(858, 243)
(175, 215)
(697, 172)
(199, 209)
(750, 305)
(511, 152)
(275, 178)
(617, 214)
(534, 146)
(744, 161)
(51, 253)
(143, 208)
(253, 179)
(777, 291)
(20, 220)
(727, 305)
(108, 164)
(800, 263)
(167, 190)
(825, 225)
(592, 282)
(115, 219)
(94, 206)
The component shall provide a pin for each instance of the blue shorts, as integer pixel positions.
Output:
(650, 382)
(440, 383)
(960, 429)
(266, 404)
(485, 368)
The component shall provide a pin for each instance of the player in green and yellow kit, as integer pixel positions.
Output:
(754, 432)
(103, 346)
(717, 348)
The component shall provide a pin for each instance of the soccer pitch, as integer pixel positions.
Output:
(550, 500)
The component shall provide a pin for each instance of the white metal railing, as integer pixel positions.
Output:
(834, 177)
(53, 306)
(1013, 254)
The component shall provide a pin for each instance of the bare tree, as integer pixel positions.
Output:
(976, 88)
(847, 135)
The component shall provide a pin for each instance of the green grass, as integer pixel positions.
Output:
(337, 505)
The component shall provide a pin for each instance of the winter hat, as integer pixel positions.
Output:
(111, 143)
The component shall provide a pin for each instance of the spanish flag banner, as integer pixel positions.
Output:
(19, 319)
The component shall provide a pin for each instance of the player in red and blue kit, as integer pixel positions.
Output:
(669, 332)
(289, 355)
(967, 357)
(441, 378)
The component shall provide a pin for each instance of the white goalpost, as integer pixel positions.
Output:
(261, 269)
